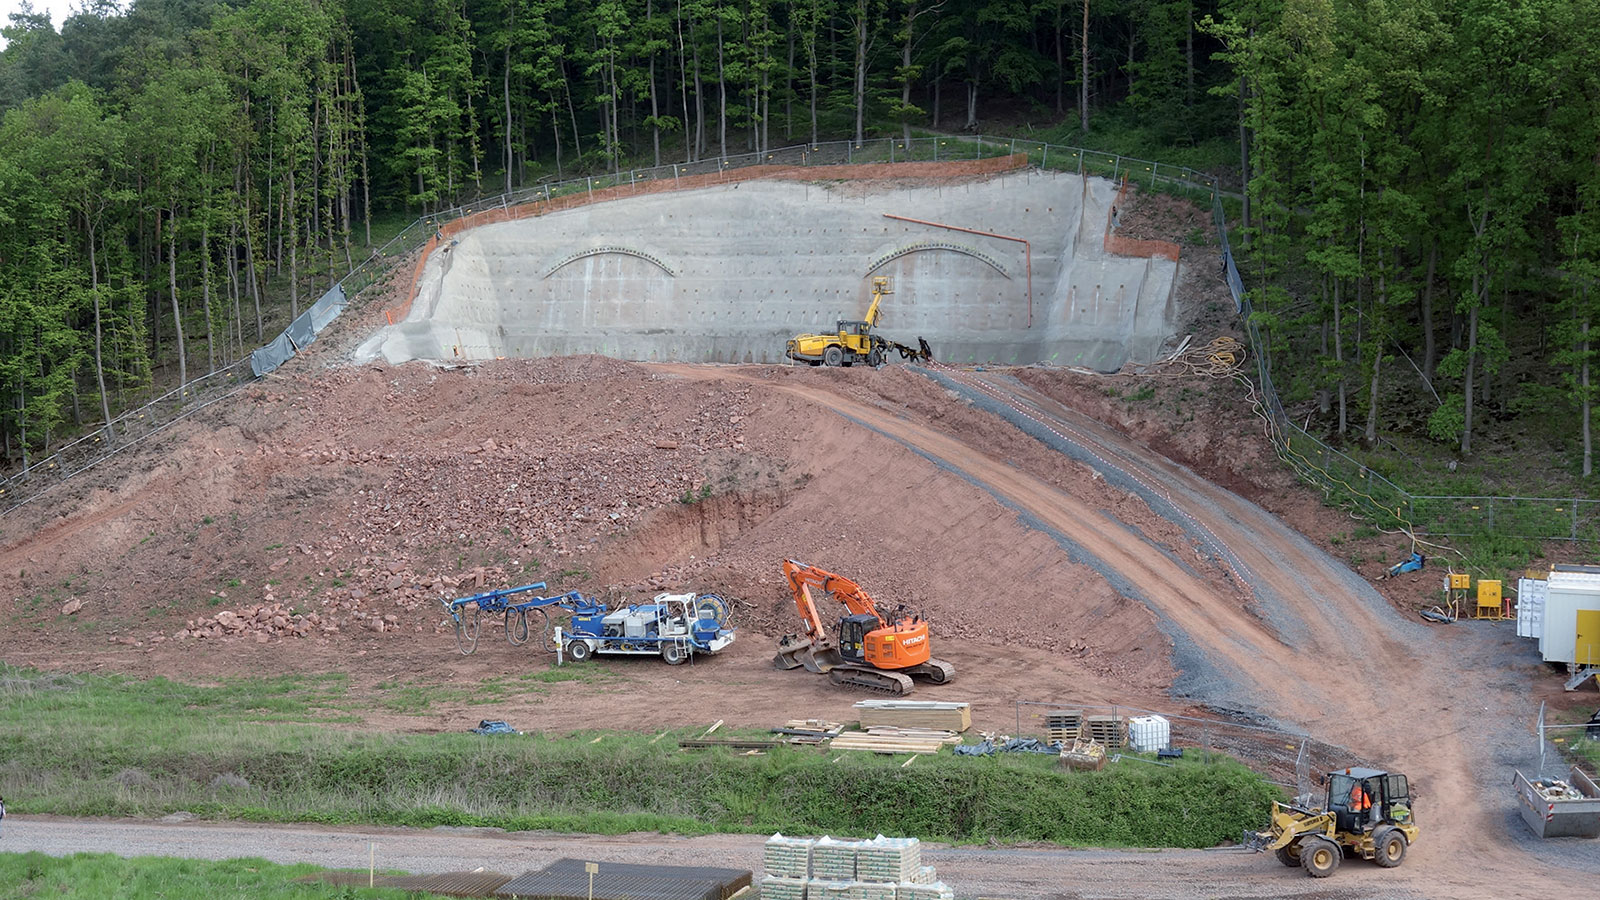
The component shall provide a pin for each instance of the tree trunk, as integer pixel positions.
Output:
(1377, 360)
(294, 255)
(1429, 350)
(1324, 396)
(1083, 73)
(205, 292)
(938, 83)
(905, 84)
(1338, 352)
(861, 72)
(172, 283)
(505, 89)
(722, 99)
(250, 268)
(699, 108)
(1472, 358)
(972, 105)
(1061, 59)
(99, 360)
(655, 111)
(788, 91)
(1583, 387)
(1188, 84)
(1244, 170)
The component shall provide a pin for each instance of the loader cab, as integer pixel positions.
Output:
(1387, 799)
(853, 631)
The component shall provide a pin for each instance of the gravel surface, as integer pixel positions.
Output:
(1014, 872)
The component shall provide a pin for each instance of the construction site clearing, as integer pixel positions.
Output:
(1079, 550)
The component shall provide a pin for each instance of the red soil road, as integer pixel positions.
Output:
(385, 479)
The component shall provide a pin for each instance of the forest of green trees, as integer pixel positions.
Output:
(1420, 232)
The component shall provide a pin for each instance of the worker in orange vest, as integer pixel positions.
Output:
(1360, 800)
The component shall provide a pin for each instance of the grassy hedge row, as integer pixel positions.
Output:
(103, 748)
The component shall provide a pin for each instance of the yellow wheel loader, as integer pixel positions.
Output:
(855, 341)
(1367, 814)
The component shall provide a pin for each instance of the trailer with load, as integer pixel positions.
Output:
(672, 626)
(1554, 807)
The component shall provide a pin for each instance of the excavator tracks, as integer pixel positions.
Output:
(874, 679)
(937, 671)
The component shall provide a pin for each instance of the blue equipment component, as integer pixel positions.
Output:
(673, 626)
(1414, 564)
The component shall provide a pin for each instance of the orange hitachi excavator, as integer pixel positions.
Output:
(870, 651)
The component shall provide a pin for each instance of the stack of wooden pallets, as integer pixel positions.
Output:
(1111, 731)
(944, 716)
(1062, 726)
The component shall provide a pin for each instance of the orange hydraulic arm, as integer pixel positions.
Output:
(899, 644)
(803, 577)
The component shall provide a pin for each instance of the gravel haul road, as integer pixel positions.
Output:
(1020, 873)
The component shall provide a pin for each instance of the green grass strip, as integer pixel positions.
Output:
(253, 751)
(102, 876)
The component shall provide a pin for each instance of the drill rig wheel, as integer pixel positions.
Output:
(833, 356)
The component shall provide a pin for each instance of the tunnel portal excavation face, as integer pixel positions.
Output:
(725, 275)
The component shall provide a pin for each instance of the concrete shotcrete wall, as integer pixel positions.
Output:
(728, 273)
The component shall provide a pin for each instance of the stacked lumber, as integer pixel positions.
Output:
(1063, 726)
(1112, 731)
(887, 743)
(808, 731)
(946, 716)
(932, 734)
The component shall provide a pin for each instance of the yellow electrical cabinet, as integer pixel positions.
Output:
(1460, 581)
(1488, 599)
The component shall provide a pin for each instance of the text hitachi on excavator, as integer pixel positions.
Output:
(870, 650)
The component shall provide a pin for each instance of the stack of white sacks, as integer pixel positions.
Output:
(825, 869)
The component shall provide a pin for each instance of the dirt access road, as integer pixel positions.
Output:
(1021, 873)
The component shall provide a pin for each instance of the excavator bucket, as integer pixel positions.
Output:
(796, 651)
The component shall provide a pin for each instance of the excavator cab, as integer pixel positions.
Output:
(853, 631)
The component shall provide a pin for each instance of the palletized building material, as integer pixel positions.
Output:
(885, 859)
(925, 875)
(946, 716)
(825, 889)
(1147, 734)
(776, 888)
(868, 890)
(935, 891)
(787, 857)
(833, 860)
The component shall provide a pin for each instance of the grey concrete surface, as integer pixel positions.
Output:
(728, 274)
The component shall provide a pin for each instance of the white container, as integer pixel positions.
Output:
(1147, 734)
(1530, 607)
(1569, 596)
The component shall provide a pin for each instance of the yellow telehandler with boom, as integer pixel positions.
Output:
(855, 340)
(1367, 814)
